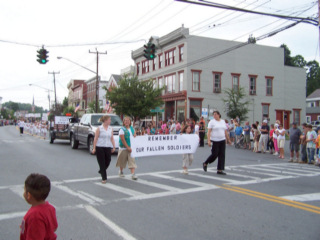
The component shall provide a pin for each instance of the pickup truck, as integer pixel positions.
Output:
(84, 131)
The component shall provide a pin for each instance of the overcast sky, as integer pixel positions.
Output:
(61, 26)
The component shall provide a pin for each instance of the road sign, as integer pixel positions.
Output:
(157, 109)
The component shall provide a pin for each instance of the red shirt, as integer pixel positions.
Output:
(271, 133)
(40, 222)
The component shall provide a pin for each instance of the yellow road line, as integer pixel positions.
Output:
(303, 206)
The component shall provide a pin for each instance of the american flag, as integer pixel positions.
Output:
(107, 105)
(77, 108)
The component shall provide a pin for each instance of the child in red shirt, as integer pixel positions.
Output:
(40, 222)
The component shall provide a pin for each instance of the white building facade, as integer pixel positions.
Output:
(196, 70)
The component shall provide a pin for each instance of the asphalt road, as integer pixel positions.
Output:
(262, 197)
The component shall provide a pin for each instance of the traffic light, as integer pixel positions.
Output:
(42, 56)
(150, 51)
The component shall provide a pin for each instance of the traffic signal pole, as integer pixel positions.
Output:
(97, 77)
(55, 93)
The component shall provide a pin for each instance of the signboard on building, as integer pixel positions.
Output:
(204, 112)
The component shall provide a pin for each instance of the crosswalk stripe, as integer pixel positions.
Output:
(157, 185)
(277, 171)
(223, 179)
(86, 197)
(200, 184)
(120, 189)
(297, 170)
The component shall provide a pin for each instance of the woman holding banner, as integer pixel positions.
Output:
(124, 153)
(217, 136)
(104, 145)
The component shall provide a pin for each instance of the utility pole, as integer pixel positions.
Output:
(55, 93)
(97, 77)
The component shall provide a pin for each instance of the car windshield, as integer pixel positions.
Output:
(115, 120)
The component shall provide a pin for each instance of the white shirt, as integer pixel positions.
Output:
(280, 137)
(104, 139)
(21, 124)
(218, 129)
(196, 129)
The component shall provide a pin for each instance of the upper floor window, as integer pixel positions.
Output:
(196, 80)
(154, 63)
(145, 66)
(180, 74)
(169, 57)
(252, 84)
(235, 81)
(170, 81)
(269, 87)
(181, 53)
(217, 82)
(160, 82)
(160, 60)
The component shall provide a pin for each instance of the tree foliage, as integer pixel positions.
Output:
(21, 107)
(312, 69)
(92, 107)
(236, 103)
(135, 98)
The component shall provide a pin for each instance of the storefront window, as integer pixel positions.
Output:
(181, 110)
(195, 109)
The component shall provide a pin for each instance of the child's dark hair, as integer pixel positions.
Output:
(38, 186)
(185, 128)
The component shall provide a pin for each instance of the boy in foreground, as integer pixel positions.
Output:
(40, 222)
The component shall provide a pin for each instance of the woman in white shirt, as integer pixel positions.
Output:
(217, 135)
(21, 126)
(104, 145)
(281, 138)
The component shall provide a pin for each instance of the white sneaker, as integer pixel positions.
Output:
(185, 171)
(276, 154)
(134, 177)
(121, 174)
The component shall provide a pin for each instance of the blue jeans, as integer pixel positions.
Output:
(310, 154)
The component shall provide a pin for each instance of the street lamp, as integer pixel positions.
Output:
(49, 90)
(97, 80)
(77, 64)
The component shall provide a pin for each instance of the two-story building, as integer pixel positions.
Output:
(91, 91)
(313, 106)
(195, 71)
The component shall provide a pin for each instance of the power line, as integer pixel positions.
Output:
(216, 5)
(72, 44)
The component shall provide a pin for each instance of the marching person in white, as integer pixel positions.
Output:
(21, 126)
(217, 136)
(104, 145)
(187, 158)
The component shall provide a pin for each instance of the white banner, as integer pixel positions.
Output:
(151, 145)
(61, 120)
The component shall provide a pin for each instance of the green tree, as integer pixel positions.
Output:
(135, 98)
(313, 76)
(69, 110)
(92, 107)
(287, 56)
(236, 103)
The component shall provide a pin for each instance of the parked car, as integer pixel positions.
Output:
(84, 131)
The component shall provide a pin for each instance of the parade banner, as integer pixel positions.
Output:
(151, 145)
